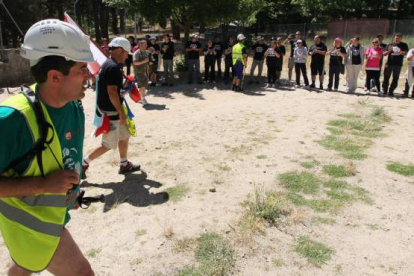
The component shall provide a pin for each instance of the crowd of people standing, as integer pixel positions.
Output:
(346, 59)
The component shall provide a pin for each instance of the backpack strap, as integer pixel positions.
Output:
(42, 143)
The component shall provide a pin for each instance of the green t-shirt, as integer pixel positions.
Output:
(143, 68)
(16, 140)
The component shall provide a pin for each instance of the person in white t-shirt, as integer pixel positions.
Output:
(409, 75)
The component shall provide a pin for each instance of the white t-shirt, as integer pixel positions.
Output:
(411, 54)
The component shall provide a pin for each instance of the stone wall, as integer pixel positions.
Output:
(15, 71)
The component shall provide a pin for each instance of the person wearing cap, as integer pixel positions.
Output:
(300, 55)
(36, 193)
(239, 55)
(396, 52)
(154, 49)
(193, 49)
(228, 62)
(353, 63)
(167, 51)
(337, 53)
(218, 47)
(110, 103)
(258, 50)
(292, 41)
(317, 52)
(142, 60)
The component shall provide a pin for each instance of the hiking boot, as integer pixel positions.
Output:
(84, 169)
(129, 168)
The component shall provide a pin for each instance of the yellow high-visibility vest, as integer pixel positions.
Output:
(32, 226)
(237, 53)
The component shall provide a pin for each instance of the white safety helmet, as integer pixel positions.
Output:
(121, 42)
(240, 37)
(52, 37)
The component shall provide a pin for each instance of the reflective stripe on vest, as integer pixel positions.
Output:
(237, 53)
(31, 226)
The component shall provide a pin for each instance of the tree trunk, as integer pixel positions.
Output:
(79, 15)
(103, 20)
(59, 8)
(114, 22)
(95, 8)
(175, 30)
(122, 20)
(186, 32)
(202, 28)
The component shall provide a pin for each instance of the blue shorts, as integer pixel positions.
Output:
(238, 71)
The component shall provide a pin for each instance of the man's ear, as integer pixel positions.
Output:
(54, 76)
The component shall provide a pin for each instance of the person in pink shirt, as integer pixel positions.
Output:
(373, 66)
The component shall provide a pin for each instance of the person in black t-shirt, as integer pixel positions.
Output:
(128, 62)
(110, 103)
(209, 60)
(193, 48)
(258, 50)
(292, 41)
(228, 61)
(154, 49)
(279, 66)
(167, 51)
(272, 54)
(396, 52)
(219, 47)
(337, 53)
(317, 52)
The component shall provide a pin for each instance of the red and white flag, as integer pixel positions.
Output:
(99, 57)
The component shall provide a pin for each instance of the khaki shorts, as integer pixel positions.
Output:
(291, 63)
(142, 80)
(116, 133)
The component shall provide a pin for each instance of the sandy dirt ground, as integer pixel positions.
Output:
(205, 137)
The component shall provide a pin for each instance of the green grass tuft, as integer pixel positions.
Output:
(304, 182)
(336, 171)
(261, 157)
(315, 252)
(177, 192)
(399, 168)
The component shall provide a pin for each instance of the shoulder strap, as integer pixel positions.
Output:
(40, 145)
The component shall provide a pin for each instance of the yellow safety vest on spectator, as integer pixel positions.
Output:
(32, 226)
(237, 53)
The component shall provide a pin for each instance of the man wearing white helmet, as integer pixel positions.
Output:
(239, 55)
(109, 103)
(42, 139)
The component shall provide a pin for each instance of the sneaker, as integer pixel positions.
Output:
(336, 89)
(329, 89)
(250, 82)
(374, 89)
(391, 94)
(307, 87)
(297, 86)
(257, 82)
(129, 168)
(321, 87)
(267, 85)
(312, 85)
(171, 84)
(84, 169)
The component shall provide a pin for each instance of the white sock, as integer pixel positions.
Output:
(86, 160)
(123, 161)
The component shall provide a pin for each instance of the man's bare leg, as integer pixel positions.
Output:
(123, 148)
(67, 261)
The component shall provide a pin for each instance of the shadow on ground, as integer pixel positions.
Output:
(134, 189)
